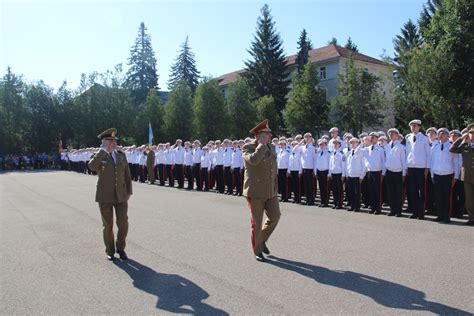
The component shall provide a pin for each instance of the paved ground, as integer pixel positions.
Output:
(191, 254)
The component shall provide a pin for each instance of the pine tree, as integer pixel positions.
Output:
(151, 113)
(429, 10)
(267, 71)
(241, 112)
(304, 46)
(351, 45)
(307, 109)
(141, 76)
(178, 112)
(209, 112)
(333, 41)
(184, 68)
(265, 109)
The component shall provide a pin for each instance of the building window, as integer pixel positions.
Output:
(322, 73)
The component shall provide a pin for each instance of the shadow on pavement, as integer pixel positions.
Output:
(383, 292)
(175, 293)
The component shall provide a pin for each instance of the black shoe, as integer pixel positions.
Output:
(122, 254)
(260, 257)
(334, 207)
(413, 216)
(391, 214)
(446, 221)
(356, 210)
(469, 223)
(349, 209)
(377, 213)
(265, 249)
(421, 217)
(398, 215)
(371, 212)
(437, 219)
(110, 257)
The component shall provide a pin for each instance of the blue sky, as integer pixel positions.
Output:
(60, 39)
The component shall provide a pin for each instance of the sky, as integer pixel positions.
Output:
(57, 40)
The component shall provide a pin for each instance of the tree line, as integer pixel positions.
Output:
(432, 63)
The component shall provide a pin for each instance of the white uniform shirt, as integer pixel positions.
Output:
(444, 162)
(188, 157)
(197, 153)
(283, 158)
(322, 160)
(356, 163)
(375, 158)
(294, 161)
(205, 160)
(396, 158)
(169, 157)
(237, 160)
(227, 160)
(308, 156)
(178, 155)
(418, 152)
(218, 156)
(337, 163)
(331, 144)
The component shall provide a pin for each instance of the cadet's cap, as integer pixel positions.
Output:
(298, 136)
(393, 130)
(334, 129)
(283, 138)
(308, 135)
(197, 142)
(383, 138)
(109, 133)
(326, 137)
(381, 133)
(464, 131)
(361, 135)
(431, 129)
(354, 139)
(470, 128)
(443, 130)
(235, 142)
(374, 134)
(336, 140)
(322, 141)
(261, 127)
(417, 122)
(346, 135)
(282, 141)
(400, 135)
(179, 140)
(247, 140)
(455, 132)
(275, 140)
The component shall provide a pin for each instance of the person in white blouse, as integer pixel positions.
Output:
(396, 168)
(337, 173)
(283, 157)
(295, 170)
(355, 173)
(205, 164)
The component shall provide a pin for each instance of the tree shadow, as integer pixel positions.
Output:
(175, 293)
(383, 292)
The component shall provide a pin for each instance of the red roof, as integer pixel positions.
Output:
(315, 55)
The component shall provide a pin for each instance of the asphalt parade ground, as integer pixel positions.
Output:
(190, 253)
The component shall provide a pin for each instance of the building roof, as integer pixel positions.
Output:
(315, 55)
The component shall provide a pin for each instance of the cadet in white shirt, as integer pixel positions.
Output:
(295, 170)
(236, 166)
(227, 165)
(418, 161)
(458, 198)
(355, 173)
(179, 162)
(160, 162)
(308, 157)
(322, 170)
(283, 160)
(197, 153)
(430, 207)
(337, 173)
(188, 164)
(334, 131)
(375, 163)
(169, 162)
(218, 164)
(205, 163)
(396, 168)
(444, 172)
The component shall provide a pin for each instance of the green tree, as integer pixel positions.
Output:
(184, 68)
(265, 109)
(333, 41)
(351, 45)
(304, 46)
(151, 113)
(209, 111)
(359, 101)
(429, 10)
(179, 113)
(267, 71)
(141, 76)
(307, 109)
(241, 112)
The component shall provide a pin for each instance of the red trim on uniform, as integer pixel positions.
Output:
(252, 225)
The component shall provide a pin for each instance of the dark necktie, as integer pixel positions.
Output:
(414, 138)
(372, 148)
(321, 154)
(112, 157)
(391, 146)
(442, 147)
(352, 152)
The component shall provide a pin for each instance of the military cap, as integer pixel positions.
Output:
(336, 140)
(400, 135)
(261, 127)
(334, 129)
(347, 135)
(393, 130)
(354, 139)
(322, 141)
(417, 122)
(363, 134)
(443, 130)
(381, 133)
(282, 141)
(298, 136)
(374, 134)
(197, 142)
(383, 138)
(326, 137)
(455, 132)
(108, 133)
(282, 138)
(308, 135)
(431, 129)
(247, 140)
(275, 140)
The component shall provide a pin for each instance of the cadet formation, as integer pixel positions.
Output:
(421, 173)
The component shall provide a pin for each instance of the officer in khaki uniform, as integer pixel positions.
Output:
(260, 187)
(114, 188)
(465, 146)
(150, 164)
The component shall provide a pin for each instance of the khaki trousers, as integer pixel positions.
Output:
(258, 207)
(106, 210)
(469, 190)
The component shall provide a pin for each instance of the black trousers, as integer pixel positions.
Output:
(179, 170)
(308, 186)
(188, 171)
(442, 190)
(364, 190)
(337, 189)
(353, 188)
(197, 176)
(161, 173)
(135, 168)
(430, 200)
(205, 178)
(228, 179)
(457, 209)
(237, 180)
(283, 184)
(322, 176)
(219, 176)
(295, 187)
(374, 188)
(416, 191)
(142, 172)
(169, 175)
(394, 184)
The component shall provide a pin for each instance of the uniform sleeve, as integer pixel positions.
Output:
(457, 165)
(254, 158)
(383, 159)
(428, 153)
(457, 146)
(344, 163)
(431, 165)
(94, 163)
(128, 179)
(403, 157)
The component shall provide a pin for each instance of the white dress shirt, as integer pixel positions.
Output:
(444, 162)
(418, 151)
(396, 158)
